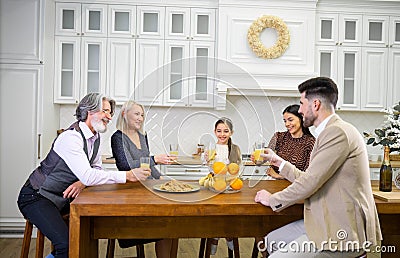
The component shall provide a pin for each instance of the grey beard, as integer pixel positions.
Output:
(98, 126)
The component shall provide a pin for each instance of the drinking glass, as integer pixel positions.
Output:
(173, 149)
(145, 162)
(258, 149)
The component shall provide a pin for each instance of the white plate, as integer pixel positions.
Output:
(195, 189)
(228, 190)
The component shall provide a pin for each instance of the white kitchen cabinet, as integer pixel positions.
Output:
(190, 23)
(381, 59)
(255, 173)
(67, 69)
(343, 65)
(376, 30)
(374, 79)
(80, 67)
(121, 69)
(122, 21)
(339, 29)
(394, 31)
(75, 19)
(21, 89)
(21, 30)
(93, 65)
(150, 22)
(189, 73)
(393, 96)
(132, 21)
(149, 71)
(184, 172)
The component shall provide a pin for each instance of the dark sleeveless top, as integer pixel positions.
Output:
(53, 175)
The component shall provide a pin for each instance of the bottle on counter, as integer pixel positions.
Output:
(385, 175)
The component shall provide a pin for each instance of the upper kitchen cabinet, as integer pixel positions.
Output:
(129, 21)
(382, 31)
(382, 53)
(343, 65)
(339, 29)
(121, 68)
(122, 21)
(150, 22)
(21, 31)
(75, 19)
(381, 58)
(190, 23)
(364, 55)
(80, 67)
(148, 88)
(189, 73)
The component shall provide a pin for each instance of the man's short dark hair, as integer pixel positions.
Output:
(320, 87)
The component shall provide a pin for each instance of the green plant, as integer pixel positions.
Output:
(389, 134)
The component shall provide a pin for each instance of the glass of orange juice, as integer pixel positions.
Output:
(145, 162)
(258, 149)
(211, 151)
(173, 149)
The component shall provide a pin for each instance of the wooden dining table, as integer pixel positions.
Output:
(136, 210)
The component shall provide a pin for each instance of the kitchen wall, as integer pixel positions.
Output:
(253, 117)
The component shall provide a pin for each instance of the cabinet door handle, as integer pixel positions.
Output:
(192, 170)
(39, 135)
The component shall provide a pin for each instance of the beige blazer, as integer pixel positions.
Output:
(336, 188)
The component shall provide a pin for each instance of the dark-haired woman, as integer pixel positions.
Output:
(295, 144)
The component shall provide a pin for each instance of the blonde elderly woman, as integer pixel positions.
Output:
(129, 143)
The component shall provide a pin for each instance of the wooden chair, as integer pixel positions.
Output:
(140, 249)
(111, 249)
(206, 243)
(27, 241)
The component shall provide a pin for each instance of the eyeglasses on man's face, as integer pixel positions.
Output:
(107, 112)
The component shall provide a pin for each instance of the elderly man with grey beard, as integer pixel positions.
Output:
(73, 162)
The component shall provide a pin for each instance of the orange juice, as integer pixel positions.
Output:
(257, 154)
(211, 154)
(144, 165)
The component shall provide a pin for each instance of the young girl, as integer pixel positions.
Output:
(226, 152)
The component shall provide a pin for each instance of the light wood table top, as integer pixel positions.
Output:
(134, 210)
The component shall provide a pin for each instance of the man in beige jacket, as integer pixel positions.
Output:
(340, 216)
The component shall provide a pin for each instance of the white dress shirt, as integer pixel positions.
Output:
(69, 146)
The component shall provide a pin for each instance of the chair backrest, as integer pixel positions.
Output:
(59, 131)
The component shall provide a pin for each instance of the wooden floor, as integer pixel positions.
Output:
(188, 248)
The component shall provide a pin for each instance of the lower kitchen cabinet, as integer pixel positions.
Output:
(255, 173)
(184, 172)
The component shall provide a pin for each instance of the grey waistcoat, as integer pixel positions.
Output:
(53, 175)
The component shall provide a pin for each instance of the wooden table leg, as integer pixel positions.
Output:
(174, 248)
(80, 242)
